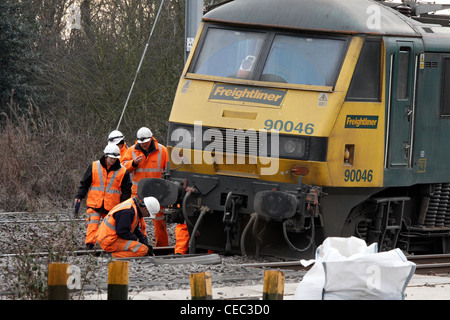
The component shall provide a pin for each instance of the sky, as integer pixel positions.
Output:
(435, 1)
(440, 2)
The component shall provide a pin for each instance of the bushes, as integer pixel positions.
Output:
(81, 78)
(43, 159)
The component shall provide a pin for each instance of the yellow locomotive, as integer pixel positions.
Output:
(296, 120)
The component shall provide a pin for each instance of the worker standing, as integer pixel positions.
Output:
(117, 138)
(182, 239)
(148, 159)
(119, 232)
(107, 183)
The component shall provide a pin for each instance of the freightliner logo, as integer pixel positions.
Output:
(247, 94)
(361, 122)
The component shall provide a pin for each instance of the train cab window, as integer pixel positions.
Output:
(270, 56)
(403, 73)
(304, 60)
(445, 108)
(366, 81)
(229, 53)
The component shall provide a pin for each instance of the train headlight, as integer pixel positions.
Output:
(292, 147)
(185, 137)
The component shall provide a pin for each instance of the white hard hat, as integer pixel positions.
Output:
(115, 137)
(152, 205)
(144, 135)
(112, 151)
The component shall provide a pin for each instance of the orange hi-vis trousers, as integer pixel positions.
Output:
(182, 239)
(122, 248)
(93, 221)
(161, 236)
(159, 227)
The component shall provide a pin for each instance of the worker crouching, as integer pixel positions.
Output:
(119, 232)
(106, 183)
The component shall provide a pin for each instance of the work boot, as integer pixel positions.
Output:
(150, 251)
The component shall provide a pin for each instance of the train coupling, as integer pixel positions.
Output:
(283, 205)
(276, 205)
(168, 192)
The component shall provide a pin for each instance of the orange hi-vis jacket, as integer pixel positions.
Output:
(123, 150)
(105, 188)
(151, 166)
(107, 234)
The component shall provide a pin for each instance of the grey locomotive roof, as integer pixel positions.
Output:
(344, 16)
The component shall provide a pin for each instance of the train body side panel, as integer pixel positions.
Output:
(417, 132)
(360, 128)
(431, 143)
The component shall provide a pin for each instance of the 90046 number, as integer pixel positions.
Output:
(358, 175)
(289, 126)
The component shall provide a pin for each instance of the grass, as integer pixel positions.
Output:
(43, 159)
(24, 276)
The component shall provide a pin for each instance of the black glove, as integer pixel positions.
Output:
(77, 208)
(174, 216)
(144, 240)
(150, 250)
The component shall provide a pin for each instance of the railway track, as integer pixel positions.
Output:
(158, 251)
(433, 264)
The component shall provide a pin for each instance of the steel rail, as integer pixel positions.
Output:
(433, 269)
(290, 265)
(425, 264)
(431, 264)
(173, 259)
(30, 213)
(430, 258)
(46, 220)
(43, 254)
(158, 251)
(42, 221)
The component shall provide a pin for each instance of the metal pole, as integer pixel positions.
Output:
(118, 278)
(201, 288)
(193, 15)
(57, 281)
(273, 285)
(140, 64)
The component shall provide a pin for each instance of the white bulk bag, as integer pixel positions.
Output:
(346, 268)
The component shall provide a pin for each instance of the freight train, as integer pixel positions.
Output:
(298, 120)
